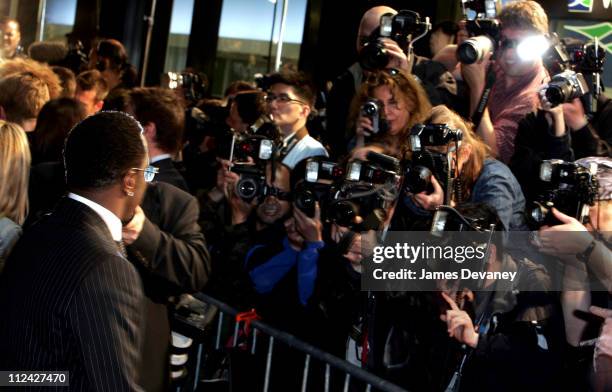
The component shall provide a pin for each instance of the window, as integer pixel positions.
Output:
(244, 45)
(58, 19)
(180, 28)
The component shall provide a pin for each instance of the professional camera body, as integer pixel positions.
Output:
(567, 186)
(401, 28)
(367, 190)
(251, 183)
(576, 66)
(424, 163)
(565, 87)
(373, 109)
(321, 177)
(256, 147)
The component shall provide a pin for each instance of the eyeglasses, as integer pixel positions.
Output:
(279, 194)
(283, 98)
(149, 172)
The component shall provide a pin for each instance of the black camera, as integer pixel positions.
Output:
(257, 147)
(417, 179)
(251, 183)
(485, 35)
(567, 186)
(566, 86)
(401, 28)
(378, 169)
(374, 110)
(365, 200)
(320, 176)
(367, 190)
(422, 135)
(192, 84)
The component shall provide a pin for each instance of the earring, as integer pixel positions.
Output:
(129, 193)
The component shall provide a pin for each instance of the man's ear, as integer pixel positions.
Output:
(306, 110)
(150, 132)
(129, 183)
(98, 105)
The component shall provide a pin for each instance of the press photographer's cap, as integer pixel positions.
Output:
(604, 175)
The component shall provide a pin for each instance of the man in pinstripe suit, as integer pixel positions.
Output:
(69, 299)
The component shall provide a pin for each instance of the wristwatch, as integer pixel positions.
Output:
(586, 254)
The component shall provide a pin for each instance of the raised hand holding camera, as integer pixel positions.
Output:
(310, 228)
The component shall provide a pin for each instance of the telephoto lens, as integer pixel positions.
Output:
(474, 49)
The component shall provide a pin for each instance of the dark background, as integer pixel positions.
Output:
(328, 45)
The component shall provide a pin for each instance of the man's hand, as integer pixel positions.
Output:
(556, 113)
(397, 57)
(555, 240)
(475, 76)
(459, 324)
(433, 200)
(240, 209)
(573, 113)
(132, 230)
(225, 178)
(310, 228)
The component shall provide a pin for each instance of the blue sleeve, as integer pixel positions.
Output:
(307, 270)
(268, 274)
(498, 188)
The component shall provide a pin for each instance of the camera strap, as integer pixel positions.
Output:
(484, 99)
(288, 146)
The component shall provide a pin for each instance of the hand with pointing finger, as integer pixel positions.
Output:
(459, 324)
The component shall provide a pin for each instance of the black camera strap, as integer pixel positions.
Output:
(288, 146)
(484, 99)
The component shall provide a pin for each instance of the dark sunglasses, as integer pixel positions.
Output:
(280, 195)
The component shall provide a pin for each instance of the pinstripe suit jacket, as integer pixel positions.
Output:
(69, 301)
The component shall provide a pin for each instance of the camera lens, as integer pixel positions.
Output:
(247, 188)
(417, 179)
(369, 109)
(343, 212)
(373, 56)
(474, 49)
(306, 201)
(557, 93)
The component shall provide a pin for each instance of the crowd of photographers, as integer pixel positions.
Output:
(263, 205)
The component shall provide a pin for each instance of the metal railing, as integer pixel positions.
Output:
(351, 371)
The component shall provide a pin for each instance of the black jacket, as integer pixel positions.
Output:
(535, 142)
(171, 257)
(169, 174)
(70, 302)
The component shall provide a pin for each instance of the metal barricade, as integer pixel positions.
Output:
(351, 371)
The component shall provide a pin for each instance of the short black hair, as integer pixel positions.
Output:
(298, 80)
(163, 108)
(101, 149)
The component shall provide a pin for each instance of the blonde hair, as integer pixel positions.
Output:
(22, 95)
(38, 70)
(524, 15)
(14, 172)
(478, 150)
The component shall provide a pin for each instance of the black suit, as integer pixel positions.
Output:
(69, 301)
(171, 256)
(169, 174)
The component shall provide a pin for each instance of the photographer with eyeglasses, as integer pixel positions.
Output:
(290, 100)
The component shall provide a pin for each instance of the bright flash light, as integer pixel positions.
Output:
(532, 48)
